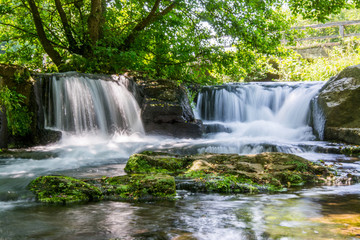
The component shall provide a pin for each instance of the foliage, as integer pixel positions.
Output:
(179, 39)
(18, 116)
(321, 10)
(173, 39)
(295, 68)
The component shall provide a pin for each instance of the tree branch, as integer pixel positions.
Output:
(149, 19)
(49, 49)
(69, 36)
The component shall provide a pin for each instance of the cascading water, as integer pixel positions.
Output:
(79, 104)
(277, 110)
(258, 117)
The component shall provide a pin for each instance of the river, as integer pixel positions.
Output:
(240, 118)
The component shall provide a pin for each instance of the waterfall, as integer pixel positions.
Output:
(270, 110)
(80, 103)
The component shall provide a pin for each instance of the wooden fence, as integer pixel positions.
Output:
(341, 34)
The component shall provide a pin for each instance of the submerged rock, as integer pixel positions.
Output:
(339, 100)
(231, 172)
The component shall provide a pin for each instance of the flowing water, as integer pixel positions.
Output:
(102, 128)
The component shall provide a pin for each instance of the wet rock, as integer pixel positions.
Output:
(231, 173)
(339, 100)
(136, 187)
(63, 190)
(348, 135)
(166, 110)
(216, 128)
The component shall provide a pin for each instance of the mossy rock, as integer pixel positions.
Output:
(136, 187)
(63, 190)
(139, 187)
(231, 173)
(156, 162)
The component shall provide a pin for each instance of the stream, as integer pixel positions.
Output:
(243, 119)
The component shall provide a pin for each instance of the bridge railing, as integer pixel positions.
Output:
(341, 33)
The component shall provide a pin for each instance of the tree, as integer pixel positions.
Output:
(169, 38)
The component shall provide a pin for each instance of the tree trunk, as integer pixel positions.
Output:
(49, 49)
(3, 128)
(73, 47)
(95, 21)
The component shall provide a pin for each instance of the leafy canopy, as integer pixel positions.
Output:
(179, 39)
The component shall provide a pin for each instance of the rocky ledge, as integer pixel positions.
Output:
(157, 176)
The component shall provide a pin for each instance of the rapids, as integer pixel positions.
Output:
(101, 126)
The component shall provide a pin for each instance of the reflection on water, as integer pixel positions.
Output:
(326, 212)
(296, 215)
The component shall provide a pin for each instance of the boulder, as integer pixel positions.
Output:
(135, 187)
(63, 190)
(339, 101)
(166, 110)
(231, 173)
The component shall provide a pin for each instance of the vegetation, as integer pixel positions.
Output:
(295, 68)
(176, 39)
(18, 116)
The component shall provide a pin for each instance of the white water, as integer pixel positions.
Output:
(82, 105)
(270, 111)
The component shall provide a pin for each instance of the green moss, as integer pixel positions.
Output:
(139, 187)
(152, 162)
(299, 165)
(227, 183)
(350, 150)
(63, 190)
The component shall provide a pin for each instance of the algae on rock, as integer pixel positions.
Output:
(231, 173)
(63, 190)
(137, 187)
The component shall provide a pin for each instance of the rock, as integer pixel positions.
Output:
(348, 135)
(63, 190)
(136, 187)
(216, 128)
(21, 80)
(155, 162)
(231, 172)
(166, 110)
(339, 100)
